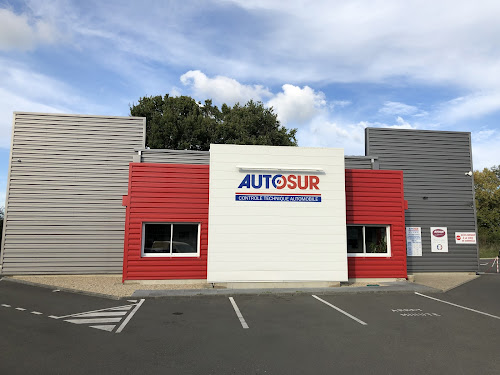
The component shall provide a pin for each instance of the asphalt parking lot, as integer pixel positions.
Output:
(488, 265)
(355, 333)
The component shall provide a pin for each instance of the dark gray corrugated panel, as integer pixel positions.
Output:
(67, 176)
(438, 192)
(165, 156)
(359, 162)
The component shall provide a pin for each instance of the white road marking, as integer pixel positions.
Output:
(37, 313)
(108, 315)
(93, 320)
(340, 310)
(4, 305)
(238, 313)
(127, 319)
(103, 327)
(56, 290)
(20, 309)
(462, 307)
(127, 307)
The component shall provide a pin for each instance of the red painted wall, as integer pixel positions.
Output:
(377, 197)
(179, 193)
(165, 193)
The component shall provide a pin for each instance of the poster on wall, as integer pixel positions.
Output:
(469, 237)
(413, 241)
(439, 239)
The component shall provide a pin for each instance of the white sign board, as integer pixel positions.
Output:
(469, 237)
(276, 214)
(414, 241)
(439, 239)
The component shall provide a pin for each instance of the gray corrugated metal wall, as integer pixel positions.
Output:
(67, 176)
(203, 157)
(436, 187)
(175, 156)
(361, 162)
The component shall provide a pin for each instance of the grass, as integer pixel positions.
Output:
(488, 250)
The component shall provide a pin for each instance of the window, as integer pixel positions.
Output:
(368, 240)
(170, 239)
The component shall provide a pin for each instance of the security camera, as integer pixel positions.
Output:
(468, 173)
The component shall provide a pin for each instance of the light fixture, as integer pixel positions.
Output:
(279, 169)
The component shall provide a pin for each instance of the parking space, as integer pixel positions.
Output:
(294, 334)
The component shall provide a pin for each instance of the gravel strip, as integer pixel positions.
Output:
(101, 284)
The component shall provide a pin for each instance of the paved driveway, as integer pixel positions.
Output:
(357, 333)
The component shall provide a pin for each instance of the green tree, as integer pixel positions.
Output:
(487, 191)
(181, 123)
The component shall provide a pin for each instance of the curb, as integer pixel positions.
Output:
(401, 288)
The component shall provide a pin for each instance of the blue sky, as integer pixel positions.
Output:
(329, 68)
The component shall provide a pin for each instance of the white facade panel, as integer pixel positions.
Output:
(262, 228)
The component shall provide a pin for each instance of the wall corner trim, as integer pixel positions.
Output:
(125, 200)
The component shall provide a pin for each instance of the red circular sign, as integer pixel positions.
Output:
(458, 238)
(438, 233)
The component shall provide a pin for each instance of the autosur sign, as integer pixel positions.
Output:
(279, 188)
(439, 240)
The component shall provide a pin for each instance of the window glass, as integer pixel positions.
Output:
(376, 239)
(185, 239)
(354, 239)
(157, 238)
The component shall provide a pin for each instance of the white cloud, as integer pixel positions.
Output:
(367, 41)
(293, 105)
(340, 103)
(9, 103)
(21, 32)
(24, 90)
(470, 106)
(297, 106)
(222, 89)
(485, 146)
(330, 132)
(319, 42)
(397, 108)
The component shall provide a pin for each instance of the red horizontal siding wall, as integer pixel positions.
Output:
(377, 197)
(165, 193)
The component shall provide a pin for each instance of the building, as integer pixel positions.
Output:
(85, 196)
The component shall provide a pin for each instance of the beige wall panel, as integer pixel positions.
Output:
(67, 176)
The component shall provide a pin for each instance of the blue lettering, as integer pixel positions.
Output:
(245, 182)
(254, 185)
(267, 177)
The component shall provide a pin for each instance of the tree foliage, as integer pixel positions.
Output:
(487, 190)
(181, 123)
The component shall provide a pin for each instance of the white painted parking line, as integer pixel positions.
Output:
(20, 309)
(129, 316)
(37, 313)
(5, 305)
(462, 307)
(340, 310)
(238, 313)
